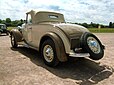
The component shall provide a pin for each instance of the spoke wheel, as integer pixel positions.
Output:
(13, 41)
(48, 51)
(91, 44)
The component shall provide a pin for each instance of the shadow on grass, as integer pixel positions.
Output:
(84, 71)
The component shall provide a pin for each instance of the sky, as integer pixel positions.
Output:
(80, 11)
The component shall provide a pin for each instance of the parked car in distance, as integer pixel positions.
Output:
(3, 29)
(55, 39)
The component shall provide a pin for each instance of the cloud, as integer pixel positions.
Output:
(98, 11)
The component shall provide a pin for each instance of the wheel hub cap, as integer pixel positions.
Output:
(93, 44)
(48, 53)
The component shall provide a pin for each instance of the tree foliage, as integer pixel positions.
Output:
(0, 21)
(10, 23)
(96, 25)
(8, 20)
(16, 23)
(111, 25)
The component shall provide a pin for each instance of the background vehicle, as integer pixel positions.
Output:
(56, 40)
(3, 29)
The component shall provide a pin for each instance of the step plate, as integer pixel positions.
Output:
(79, 55)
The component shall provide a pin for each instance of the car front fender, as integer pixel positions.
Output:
(17, 34)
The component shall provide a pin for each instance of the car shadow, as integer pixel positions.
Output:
(84, 71)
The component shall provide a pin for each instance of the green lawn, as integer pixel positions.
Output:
(10, 28)
(94, 30)
(101, 30)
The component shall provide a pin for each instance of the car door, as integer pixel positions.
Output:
(27, 30)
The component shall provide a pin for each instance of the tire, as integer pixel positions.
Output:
(13, 41)
(49, 54)
(0, 33)
(91, 44)
(7, 33)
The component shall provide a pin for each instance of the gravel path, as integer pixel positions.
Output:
(23, 66)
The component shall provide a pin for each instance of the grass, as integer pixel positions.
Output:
(94, 30)
(10, 28)
(101, 30)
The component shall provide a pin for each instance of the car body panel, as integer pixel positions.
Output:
(17, 34)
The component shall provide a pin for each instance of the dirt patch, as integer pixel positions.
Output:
(23, 66)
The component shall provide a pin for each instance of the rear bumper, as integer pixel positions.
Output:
(79, 54)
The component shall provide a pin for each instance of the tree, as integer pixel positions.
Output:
(85, 25)
(15, 23)
(110, 25)
(20, 22)
(8, 20)
(0, 21)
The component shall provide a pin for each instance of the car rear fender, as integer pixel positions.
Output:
(17, 34)
(60, 49)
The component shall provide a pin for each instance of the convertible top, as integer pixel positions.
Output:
(44, 16)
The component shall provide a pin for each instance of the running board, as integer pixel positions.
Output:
(25, 44)
(79, 54)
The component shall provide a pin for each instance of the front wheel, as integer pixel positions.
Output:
(48, 51)
(0, 33)
(13, 41)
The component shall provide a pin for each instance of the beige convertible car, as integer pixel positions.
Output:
(55, 39)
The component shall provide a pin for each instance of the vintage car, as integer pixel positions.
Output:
(3, 29)
(55, 39)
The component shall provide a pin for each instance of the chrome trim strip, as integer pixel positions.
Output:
(79, 54)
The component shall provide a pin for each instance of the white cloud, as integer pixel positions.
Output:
(98, 11)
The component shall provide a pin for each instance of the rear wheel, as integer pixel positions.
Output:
(13, 41)
(48, 51)
(91, 44)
